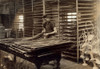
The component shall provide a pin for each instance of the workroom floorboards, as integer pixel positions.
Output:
(66, 64)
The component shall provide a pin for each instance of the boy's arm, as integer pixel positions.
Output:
(53, 32)
(43, 31)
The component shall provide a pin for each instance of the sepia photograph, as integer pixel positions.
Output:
(49, 34)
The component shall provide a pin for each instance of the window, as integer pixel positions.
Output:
(71, 16)
(21, 20)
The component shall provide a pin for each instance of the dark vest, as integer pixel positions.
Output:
(49, 26)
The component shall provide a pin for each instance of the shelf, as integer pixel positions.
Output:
(85, 4)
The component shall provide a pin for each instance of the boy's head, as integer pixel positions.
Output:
(46, 17)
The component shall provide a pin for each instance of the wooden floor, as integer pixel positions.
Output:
(23, 64)
(66, 64)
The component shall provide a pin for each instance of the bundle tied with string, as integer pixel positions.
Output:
(89, 49)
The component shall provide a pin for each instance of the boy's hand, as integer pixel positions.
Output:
(46, 34)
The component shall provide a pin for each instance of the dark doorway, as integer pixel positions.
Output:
(5, 20)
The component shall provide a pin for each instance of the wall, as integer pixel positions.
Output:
(98, 21)
(98, 16)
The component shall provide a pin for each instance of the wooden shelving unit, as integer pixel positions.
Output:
(37, 16)
(86, 21)
(73, 18)
(28, 18)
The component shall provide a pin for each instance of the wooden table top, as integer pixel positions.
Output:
(33, 43)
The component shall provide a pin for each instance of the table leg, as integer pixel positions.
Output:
(58, 61)
(38, 65)
(14, 58)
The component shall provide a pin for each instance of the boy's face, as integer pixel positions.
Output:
(47, 19)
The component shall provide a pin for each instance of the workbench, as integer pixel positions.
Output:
(36, 51)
